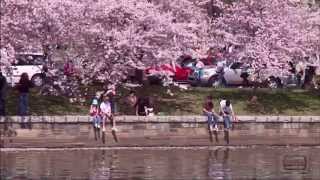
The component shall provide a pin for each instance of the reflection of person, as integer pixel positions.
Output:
(218, 167)
(23, 87)
(227, 113)
(3, 87)
(208, 110)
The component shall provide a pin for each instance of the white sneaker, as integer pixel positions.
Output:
(216, 128)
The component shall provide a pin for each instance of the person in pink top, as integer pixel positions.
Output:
(95, 114)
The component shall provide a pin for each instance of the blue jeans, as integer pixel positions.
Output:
(96, 120)
(212, 119)
(23, 104)
(200, 72)
(227, 121)
(113, 107)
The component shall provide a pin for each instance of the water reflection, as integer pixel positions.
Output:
(219, 163)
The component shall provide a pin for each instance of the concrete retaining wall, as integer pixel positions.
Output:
(156, 119)
(76, 131)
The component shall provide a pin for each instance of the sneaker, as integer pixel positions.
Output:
(114, 129)
(216, 128)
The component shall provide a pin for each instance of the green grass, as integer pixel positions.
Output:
(44, 105)
(270, 102)
(187, 102)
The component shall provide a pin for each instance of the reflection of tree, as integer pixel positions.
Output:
(218, 168)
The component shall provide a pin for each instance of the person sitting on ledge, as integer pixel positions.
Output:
(227, 113)
(208, 110)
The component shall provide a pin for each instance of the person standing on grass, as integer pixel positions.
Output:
(3, 88)
(208, 110)
(23, 87)
(227, 113)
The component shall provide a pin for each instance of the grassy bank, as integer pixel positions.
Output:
(270, 102)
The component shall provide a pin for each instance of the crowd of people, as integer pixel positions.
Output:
(102, 109)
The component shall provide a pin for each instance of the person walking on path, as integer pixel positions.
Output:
(208, 110)
(227, 113)
(3, 89)
(23, 87)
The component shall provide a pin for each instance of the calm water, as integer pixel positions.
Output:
(162, 163)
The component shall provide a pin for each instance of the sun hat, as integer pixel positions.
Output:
(95, 102)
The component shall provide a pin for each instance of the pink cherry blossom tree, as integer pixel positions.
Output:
(107, 37)
(268, 32)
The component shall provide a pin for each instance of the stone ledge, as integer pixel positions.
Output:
(160, 119)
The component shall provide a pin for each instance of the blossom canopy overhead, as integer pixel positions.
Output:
(107, 37)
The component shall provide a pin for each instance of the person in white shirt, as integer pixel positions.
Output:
(227, 113)
(199, 64)
(199, 67)
(105, 108)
